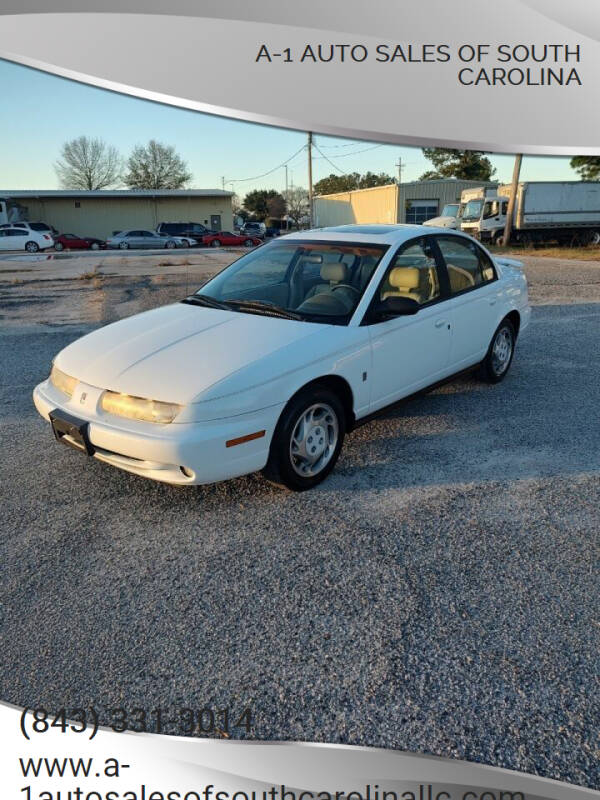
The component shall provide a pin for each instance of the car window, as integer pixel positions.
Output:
(315, 279)
(16, 232)
(412, 273)
(468, 266)
(132, 233)
(38, 226)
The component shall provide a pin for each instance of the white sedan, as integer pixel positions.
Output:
(24, 239)
(274, 360)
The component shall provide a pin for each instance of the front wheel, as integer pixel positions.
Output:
(123, 245)
(32, 247)
(500, 353)
(94, 246)
(215, 243)
(248, 243)
(58, 246)
(308, 439)
(170, 244)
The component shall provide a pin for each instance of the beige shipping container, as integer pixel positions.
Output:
(101, 213)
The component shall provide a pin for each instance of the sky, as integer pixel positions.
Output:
(41, 111)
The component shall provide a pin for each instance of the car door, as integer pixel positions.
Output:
(474, 293)
(410, 352)
(18, 238)
(4, 239)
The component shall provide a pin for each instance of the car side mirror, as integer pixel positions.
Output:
(394, 307)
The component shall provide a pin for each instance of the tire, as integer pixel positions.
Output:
(313, 420)
(215, 243)
(170, 244)
(248, 243)
(59, 246)
(94, 246)
(591, 238)
(496, 364)
(499, 240)
(185, 243)
(32, 247)
(123, 245)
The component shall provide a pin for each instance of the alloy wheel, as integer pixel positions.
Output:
(314, 440)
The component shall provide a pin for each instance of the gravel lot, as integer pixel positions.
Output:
(438, 593)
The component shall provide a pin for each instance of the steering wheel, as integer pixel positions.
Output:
(345, 286)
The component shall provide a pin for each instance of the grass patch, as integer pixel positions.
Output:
(591, 253)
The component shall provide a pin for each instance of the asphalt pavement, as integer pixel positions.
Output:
(438, 593)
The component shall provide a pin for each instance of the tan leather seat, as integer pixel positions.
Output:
(333, 273)
(404, 282)
(459, 278)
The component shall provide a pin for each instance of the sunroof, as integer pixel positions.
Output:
(368, 229)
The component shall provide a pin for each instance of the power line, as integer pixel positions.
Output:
(329, 161)
(264, 174)
(356, 152)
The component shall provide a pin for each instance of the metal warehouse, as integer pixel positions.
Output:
(100, 213)
(413, 202)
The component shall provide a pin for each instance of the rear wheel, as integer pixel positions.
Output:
(308, 439)
(32, 247)
(185, 243)
(170, 244)
(58, 246)
(94, 246)
(123, 245)
(248, 243)
(500, 353)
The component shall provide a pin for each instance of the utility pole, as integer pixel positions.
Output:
(223, 182)
(512, 200)
(287, 219)
(399, 165)
(310, 180)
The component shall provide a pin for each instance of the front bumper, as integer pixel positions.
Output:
(178, 453)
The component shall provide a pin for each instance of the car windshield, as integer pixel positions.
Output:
(313, 281)
(450, 210)
(472, 210)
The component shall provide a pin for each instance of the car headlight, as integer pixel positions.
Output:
(124, 405)
(63, 382)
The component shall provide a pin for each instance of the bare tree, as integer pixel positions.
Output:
(87, 163)
(297, 205)
(156, 166)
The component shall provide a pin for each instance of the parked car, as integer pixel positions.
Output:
(40, 227)
(254, 229)
(299, 340)
(182, 241)
(69, 241)
(138, 239)
(228, 239)
(190, 229)
(24, 239)
(272, 232)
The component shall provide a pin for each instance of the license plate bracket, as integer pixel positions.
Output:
(71, 431)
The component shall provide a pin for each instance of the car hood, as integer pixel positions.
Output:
(441, 222)
(177, 352)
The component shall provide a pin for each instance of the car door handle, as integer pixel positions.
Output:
(441, 322)
(493, 301)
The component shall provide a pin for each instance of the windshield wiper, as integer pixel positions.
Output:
(205, 300)
(267, 308)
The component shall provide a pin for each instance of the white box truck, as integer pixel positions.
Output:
(567, 212)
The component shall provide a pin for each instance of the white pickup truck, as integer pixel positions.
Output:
(565, 212)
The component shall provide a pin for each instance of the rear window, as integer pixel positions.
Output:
(39, 226)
